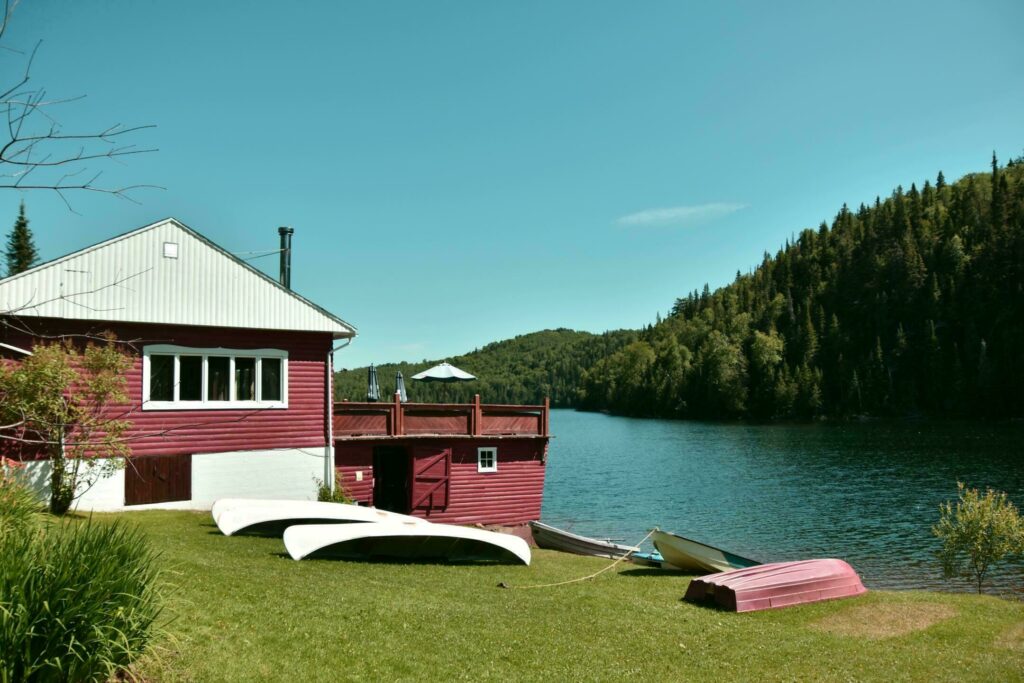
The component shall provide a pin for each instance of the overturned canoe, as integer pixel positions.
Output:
(409, 541)
(689, 555)
(780, 584)
(552, 538)
(278, 515)
(222, 505)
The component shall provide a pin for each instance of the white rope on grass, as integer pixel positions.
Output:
(584, 578)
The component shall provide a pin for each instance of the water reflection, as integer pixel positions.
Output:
(866, 492)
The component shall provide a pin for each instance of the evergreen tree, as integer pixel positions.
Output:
(21, 251)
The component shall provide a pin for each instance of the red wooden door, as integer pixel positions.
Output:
(431, 474)
(157, 479)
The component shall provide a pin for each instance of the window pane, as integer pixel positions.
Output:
(217, 379)
(190, 378)
(271, 380)
(245, 379)
(161, 378)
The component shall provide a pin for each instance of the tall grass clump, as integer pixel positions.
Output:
(78, 602)
(19, 508)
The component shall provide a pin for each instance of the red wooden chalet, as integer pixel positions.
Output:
(454, 463)
(230, 390)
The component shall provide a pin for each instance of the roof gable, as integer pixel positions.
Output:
(164, 273)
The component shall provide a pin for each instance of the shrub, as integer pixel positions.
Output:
(325, 495)
(19, 508)
(77, 603)
(976, 534)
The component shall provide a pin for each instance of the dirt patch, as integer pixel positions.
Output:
(1012, 638)
(884, 621)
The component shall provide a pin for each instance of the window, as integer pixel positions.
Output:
(487, 459)
(178, 378)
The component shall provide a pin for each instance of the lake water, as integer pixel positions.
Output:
(865, 492)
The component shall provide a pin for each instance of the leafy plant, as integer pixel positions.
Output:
(980, 531)
(78, 602)
(324, 494)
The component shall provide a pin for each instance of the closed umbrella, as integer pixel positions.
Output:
(400, 387)
(373, 390)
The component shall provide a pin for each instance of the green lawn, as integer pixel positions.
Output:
(241, 610)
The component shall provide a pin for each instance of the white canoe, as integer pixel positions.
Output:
(404, 541)
(233, 520)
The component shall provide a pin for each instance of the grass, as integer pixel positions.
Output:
(244, 611)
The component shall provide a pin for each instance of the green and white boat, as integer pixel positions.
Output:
(689, 555)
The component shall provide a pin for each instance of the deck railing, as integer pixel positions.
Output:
(397, 419)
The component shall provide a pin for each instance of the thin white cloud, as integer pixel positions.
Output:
(680, 215)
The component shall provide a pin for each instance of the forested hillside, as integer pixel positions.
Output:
(522, 370)
(911, 306)
(914, 305)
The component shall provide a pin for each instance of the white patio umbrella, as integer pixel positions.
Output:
(445, 372)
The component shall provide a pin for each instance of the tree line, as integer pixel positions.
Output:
(913, 305)
(523, 370)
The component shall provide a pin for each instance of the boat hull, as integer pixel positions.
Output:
(689, 555)
(275, 516)
(549, 537)
(404, 541)
(781, 584)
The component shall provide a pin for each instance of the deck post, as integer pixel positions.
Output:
(397, 428)
(544, 423)
(475, 427)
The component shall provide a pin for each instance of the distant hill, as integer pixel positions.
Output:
(521, 370)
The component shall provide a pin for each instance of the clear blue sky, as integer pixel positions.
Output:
(463, 172)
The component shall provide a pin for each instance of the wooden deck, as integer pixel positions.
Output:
(467, 420)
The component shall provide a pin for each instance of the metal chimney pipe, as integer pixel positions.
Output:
(286, 256)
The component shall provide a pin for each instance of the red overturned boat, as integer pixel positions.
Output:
(780, 584)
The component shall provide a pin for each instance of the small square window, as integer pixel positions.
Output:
(487, 459)
(170, 250)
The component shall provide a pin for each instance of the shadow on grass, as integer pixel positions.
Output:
(394, 561)
(642, 572)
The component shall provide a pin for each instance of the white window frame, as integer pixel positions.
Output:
(206, 353)
(493, 451)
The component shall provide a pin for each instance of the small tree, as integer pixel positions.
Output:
(978, 532)
(64, 400)
(20, 253)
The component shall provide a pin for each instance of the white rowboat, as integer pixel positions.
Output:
(404, 541)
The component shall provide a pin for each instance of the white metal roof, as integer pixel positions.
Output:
(164, 273)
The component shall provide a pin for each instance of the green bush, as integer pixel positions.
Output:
(78, 602)
(324, 494)
(977, 533)
(19, 508)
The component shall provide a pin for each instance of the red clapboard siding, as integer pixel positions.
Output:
(163, 432)
(512, 495)
(350, 459)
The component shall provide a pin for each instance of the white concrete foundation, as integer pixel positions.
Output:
(283, 473)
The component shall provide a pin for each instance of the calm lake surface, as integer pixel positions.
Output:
(865, 492)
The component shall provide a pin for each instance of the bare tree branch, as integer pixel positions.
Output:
(36, 146)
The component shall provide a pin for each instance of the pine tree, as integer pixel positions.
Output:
(21, 252)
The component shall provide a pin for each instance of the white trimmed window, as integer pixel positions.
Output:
(487, 459)
(185, 378)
